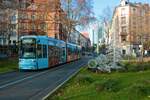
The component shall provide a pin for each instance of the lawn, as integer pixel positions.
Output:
(86, 85)
(7, 65)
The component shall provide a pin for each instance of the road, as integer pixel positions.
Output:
(38, 84)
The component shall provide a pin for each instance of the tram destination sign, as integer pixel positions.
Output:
(28, 41)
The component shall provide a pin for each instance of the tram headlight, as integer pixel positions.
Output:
(34, 61)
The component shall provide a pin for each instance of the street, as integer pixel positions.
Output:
(36, 85)
(41, 40)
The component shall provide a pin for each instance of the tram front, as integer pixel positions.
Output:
(27, 53)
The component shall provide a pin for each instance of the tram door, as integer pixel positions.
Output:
(64, 54)
(42, 56)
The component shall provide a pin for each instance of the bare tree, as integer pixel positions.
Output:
(79, 13)
(6, 12)
(105, 18)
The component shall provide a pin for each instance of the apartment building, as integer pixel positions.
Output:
(130, 27)
(8, 28)
(8, 20)
(81, 39)
(41, 17)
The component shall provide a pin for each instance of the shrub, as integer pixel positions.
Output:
(131, 57)
(135, 66)
(99, 87)
(140, 89)
(84, 79)
(110, 85)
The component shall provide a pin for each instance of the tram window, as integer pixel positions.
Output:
(28, 51)
(56, 51)
(39, 51)
(63, 50)
(72, 50)
(51, 51)
(68, 50)
(44, 51)
(59, 52)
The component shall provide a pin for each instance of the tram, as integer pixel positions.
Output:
(41, 52)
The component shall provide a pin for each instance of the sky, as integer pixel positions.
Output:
(100, 5)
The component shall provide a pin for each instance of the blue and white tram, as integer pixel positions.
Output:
(40, 52)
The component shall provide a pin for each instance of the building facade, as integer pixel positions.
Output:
(8, 28)
(8, 20)
(130, 27)
(41, 17)
(81, 39)
(84, 42)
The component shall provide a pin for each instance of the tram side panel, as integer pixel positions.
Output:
(53, 56)
(42, 56)
(62, 55)
(71, 52)
(68, 54)
(57, 52)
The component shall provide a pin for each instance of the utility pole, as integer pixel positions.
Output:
(99, 31)
(93, 39)
(98, 42)
(142, 47)
(68, 26)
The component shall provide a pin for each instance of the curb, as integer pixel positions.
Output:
(71, 76)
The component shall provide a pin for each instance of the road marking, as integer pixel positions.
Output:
(44, 98)
(15, 78)
(18, 81)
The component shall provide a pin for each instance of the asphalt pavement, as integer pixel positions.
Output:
(36, 85)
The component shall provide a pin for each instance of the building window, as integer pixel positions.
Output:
(123, 52)
(10, 41)
(126, 3)
(124, 29)
(13, 18)
(4, 41)
(33, 27)
(143, 12)
(43, 26)
(134, 10)
(13, 26)
(1, 41)
(123, 20)
(123, 13)
(13, 33)
(33, 17)
(134, 23)
(14, 42)
(134, 27)
(123, 38)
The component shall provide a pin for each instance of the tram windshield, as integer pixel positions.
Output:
(28, 48)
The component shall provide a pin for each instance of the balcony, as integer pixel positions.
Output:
(123, 33)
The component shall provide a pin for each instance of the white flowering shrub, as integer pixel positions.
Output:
(106, 62)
